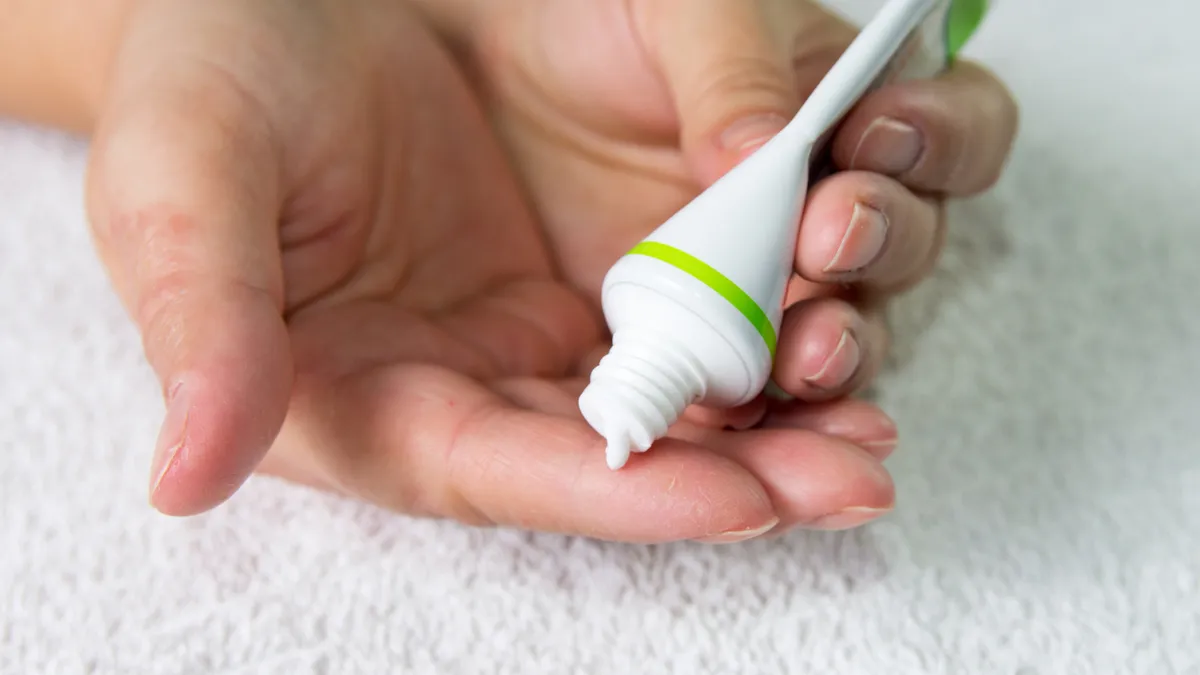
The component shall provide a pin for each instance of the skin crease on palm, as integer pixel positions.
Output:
(432, 312)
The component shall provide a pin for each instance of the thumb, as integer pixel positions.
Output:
(729, 76)
(184, 199)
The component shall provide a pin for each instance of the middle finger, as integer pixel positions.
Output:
(865, 228)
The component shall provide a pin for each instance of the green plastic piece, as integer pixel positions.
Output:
(962, 19)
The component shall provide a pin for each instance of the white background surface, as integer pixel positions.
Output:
(1049, 472)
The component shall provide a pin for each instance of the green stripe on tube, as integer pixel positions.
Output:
(720, 283)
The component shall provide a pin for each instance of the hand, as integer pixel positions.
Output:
(330, 262)
(618, 113)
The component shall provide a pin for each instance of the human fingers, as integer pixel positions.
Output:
(867, 229)
(853, 420)
(950, 134)
(827, 349)
(428, 441)
(730, 78)
(184, 200)
(814, 481)
(818, 462)
(859, 422)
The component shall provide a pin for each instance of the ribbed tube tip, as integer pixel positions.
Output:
(637, 391)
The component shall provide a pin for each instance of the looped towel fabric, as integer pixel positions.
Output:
(1045, 382)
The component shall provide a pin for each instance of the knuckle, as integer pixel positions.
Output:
(155, 231)
(237, 112)
(156, 313)
(744, 81)
(164, 270)
(115, 229)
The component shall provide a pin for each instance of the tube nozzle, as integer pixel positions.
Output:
(638, 390)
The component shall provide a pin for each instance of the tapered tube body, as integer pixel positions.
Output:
(695, 308)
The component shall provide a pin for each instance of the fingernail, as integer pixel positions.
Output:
(880, 448)
(839, 366)
(736, 536)
(888, 146)
(863, 241)
(883, 438)
(847, 518)
(750, 132)
(170, 437)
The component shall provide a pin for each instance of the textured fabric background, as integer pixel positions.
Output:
(1048, 513)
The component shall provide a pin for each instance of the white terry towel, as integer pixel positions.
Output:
(1048, 477)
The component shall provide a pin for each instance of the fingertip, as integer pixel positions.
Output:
(830, 367)
(859, 422)
(865, 228)
(950, 134)
(820, 350)
(219, 449)
(222, 416)
(738, 536)
(192, 474)
(887, 132)
(810, 477)
(844, 227)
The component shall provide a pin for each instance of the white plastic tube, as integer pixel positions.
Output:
(695, 308)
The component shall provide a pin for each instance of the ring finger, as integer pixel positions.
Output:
(828, 349)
